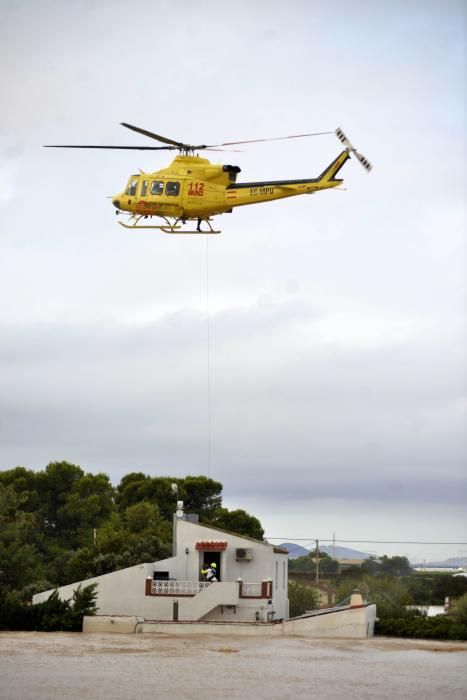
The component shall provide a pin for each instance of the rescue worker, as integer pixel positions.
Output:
(211, 573)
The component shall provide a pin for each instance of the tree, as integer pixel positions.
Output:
(238, 521)
(459, 612)
(20, 561)
(55, 485)
(395, 566)
(51, 615)
(88, 506)
(307, 563)
(200, 494)
(302, 598)
(25, 484)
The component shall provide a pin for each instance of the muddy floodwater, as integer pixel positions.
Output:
(60, 666)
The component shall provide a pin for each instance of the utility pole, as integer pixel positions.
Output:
(317, 562)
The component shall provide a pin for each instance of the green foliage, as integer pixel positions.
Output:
(394, 597)
(459, 612)
(419, 588)
(238, 521)
(52, 615)
(384, 566)
(19, 558)
(84, 602)
(302, 598)
(422, 627)
(30, 589)
(307, 563)
(432, 588)
(66, 503)
(199, 494)
(391, 566)
(24, 482)
(389, 593)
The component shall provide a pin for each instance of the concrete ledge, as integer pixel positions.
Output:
(352, 623)
(119, 624)
(248, 629)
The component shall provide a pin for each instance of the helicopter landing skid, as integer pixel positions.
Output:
(168, 227)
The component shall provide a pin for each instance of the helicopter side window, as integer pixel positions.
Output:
(157, 187)
(144, 188)
(172, 189)
(132, 185)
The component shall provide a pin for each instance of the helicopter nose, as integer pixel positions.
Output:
(116, 203)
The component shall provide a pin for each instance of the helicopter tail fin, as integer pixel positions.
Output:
(329, 174)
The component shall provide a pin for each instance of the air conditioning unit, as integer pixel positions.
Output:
(243, 554)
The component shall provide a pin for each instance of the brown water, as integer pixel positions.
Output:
(61, 666)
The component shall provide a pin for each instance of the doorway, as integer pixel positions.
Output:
(208, 558)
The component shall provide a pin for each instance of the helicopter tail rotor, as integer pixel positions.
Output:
(350, 149)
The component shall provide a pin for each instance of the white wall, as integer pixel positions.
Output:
(343, 622)
(118, 593)
(261, 566)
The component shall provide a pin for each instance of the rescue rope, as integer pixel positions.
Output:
(208, 324)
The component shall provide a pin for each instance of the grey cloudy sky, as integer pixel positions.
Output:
(338, 322)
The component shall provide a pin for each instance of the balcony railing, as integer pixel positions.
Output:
(175, 588)
(262, 589)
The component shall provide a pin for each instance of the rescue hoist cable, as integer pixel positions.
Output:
(208, 325)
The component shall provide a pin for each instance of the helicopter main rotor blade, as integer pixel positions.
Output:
(125, 148)
(277, 138)
(204, 146)
(151, 135)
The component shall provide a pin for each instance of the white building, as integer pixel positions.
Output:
(252, 582)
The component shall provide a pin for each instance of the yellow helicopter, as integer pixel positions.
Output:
(193, 188)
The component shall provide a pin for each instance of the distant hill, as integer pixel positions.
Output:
(344, 552)
(296, 550)
(453, 562)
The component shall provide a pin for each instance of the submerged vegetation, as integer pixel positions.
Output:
(52, 615)
(302, 598)
(400, 594)
(401, 599)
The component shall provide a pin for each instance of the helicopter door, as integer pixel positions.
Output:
(131, 189)
(132, 185)
(143, 188)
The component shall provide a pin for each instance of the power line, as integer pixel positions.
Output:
(323, 539)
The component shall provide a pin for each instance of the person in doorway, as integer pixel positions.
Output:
(211, 573)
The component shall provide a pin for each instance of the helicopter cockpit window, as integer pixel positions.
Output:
(172, 189)
(144, 188)
(157, 187)
(132, 185)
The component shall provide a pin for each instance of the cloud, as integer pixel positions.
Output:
(288, 400)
